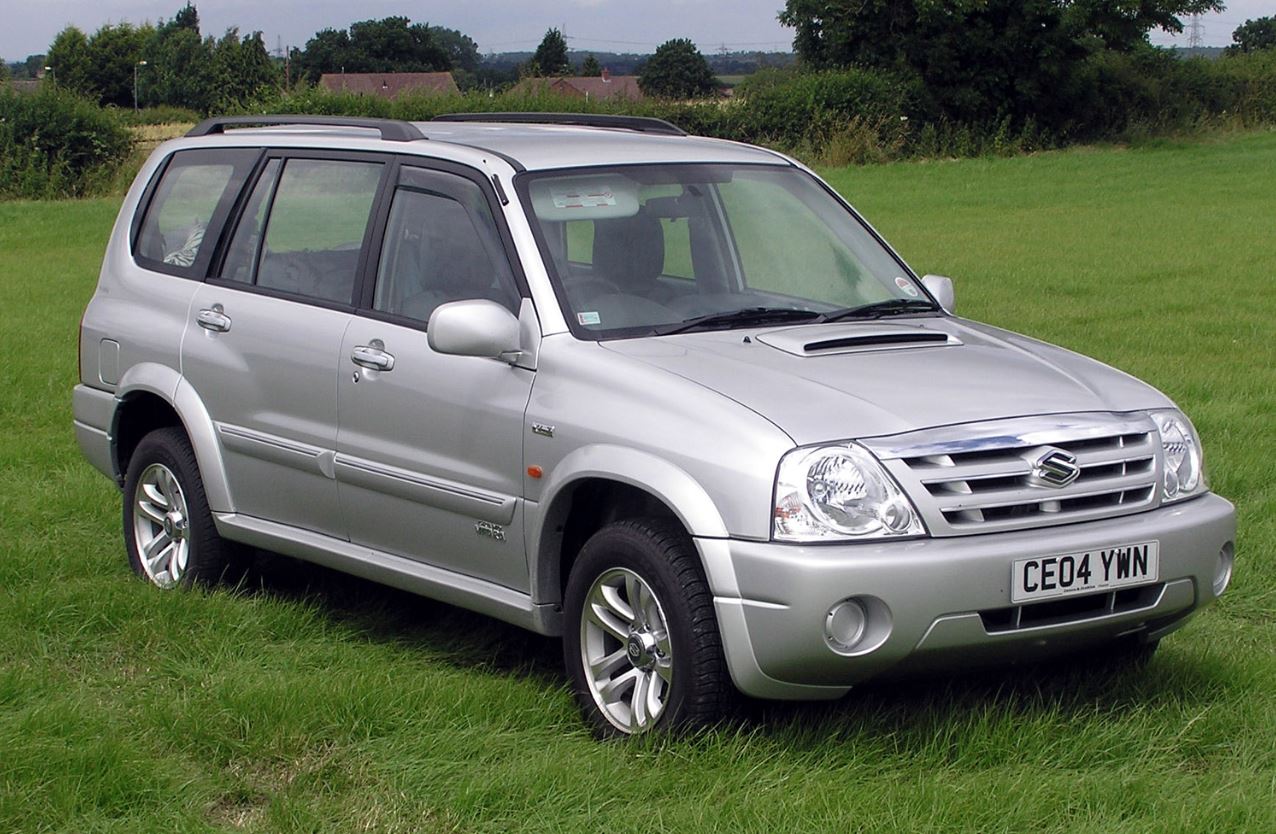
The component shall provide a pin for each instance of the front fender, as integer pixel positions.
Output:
(672, 485)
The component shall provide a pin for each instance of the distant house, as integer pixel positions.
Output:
(390, 84)
(25, 85)
(592, 88)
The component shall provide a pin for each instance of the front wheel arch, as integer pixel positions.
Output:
(638, 479)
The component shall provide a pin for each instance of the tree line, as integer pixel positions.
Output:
(980, 61)
(171, 63)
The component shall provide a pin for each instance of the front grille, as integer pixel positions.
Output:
(981, 478)
(1070, 609)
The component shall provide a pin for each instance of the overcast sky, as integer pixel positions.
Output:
(28, 26)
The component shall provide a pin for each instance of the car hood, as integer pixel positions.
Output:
(826, 382)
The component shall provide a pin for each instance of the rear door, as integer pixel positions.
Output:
(264, 339)
(430, 446)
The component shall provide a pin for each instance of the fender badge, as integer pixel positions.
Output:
(542, 429)
(489, 530)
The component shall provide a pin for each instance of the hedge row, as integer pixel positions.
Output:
(857, 115)
(56, 144)
(53, 144)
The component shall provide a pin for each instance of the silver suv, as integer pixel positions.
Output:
(668, 397)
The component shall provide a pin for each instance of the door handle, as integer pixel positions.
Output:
(372, 357)
(213, 319)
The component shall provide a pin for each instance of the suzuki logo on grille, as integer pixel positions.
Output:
(1055, 468)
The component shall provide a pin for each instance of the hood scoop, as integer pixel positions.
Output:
(856, 338)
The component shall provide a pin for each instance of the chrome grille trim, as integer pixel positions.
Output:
(978, 477)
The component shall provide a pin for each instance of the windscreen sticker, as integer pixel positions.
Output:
(906, 285)
(589, 318)
(570, 198)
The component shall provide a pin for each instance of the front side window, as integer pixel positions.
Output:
(652, 249)
(194, 194)
(441, 245)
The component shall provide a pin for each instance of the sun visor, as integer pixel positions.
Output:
(590, 197)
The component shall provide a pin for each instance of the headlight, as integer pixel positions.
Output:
(1184, 470)
(839, 492)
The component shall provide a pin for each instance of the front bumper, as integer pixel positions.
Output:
(944, 600)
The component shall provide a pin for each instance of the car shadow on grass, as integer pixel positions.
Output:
(1066, 691)
(1061, 689)
(462, 638)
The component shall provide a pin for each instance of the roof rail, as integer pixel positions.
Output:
(643, 124)
(391, 130)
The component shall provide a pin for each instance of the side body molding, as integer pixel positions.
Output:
(662, 479)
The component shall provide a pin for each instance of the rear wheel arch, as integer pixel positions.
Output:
(154, 397)
(139, 413)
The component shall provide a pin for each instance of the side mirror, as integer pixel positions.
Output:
(941, 288)
(476, 327)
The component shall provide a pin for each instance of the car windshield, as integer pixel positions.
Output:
(654, 249)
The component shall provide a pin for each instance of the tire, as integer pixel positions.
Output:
(653, 667)
(168, 529)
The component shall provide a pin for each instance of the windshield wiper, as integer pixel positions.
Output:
(749, 315)
(878, 309)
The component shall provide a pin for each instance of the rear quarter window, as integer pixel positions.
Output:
(187, 207)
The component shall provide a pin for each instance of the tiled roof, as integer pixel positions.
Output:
(390, 84)
(593, 87)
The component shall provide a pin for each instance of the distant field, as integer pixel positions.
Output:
(322, 703)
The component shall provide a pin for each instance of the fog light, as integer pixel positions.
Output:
(845, 625)
(1223, 571)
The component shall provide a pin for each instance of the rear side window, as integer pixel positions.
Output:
(304, 226)
(245, 246)
(188, 207)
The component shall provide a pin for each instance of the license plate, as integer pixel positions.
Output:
(1047, 577)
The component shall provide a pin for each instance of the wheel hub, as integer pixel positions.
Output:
(174, 525)
(625, 650)
(641, 649)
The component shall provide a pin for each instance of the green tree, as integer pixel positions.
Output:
(30, 67)
(590, 67)
(677, 70)
(69, 58)
(978, 60)
(392, 44)
(183, 69)
(187, 17)
(1254, 35)
(551, 56)
(327, 51)
(462, 51)
(242, 69)
(113, 53)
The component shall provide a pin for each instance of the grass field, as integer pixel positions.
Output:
(326, 703)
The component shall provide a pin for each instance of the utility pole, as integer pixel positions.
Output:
(1195, 32)
(135, 67)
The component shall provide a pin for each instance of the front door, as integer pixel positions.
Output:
(430, 446)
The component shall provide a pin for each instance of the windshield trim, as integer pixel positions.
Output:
(522, 181)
